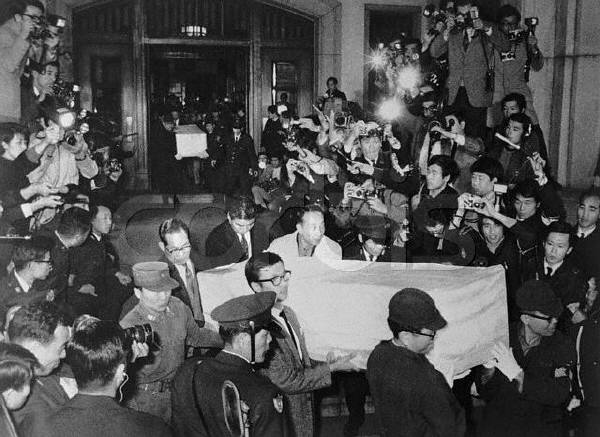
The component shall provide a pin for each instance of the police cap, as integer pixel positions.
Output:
(535, 295)
(239, 311)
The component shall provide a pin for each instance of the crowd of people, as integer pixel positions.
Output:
(93, 348)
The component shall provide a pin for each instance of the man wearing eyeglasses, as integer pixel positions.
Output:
(411, 397)
(527, 386)
(32, 263)
(24, 16)
(290, 367)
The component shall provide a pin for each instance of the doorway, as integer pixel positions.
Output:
(384, 24)
(197, 76)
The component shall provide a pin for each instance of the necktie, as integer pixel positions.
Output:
(582, 235)
(244, 245)
(466, 42)
(548, 271)
(289, 327)
(194, 293)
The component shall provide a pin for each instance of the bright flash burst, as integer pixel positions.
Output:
(377, 60)
(408, 78)
(389, 109)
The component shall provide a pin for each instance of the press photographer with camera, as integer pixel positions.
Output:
(63, 162)
(469, 43)
(514, 148)
(38, 93)
(98, 356)
(174, 327)
(449, 138)
(20, 18)
(514, 65)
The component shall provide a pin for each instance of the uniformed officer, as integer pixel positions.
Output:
(242, 323)
(411, 397)
(526, 387)
(174, 326)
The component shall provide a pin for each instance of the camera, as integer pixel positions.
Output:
(50, 26)
(517, 35)
(357, 192)
(341, 120)
(508, 56)
(140, 333)
(474, 202)
(531, 23)
(114, 165)
(434, 135)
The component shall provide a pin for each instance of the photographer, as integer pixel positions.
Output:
(38, 93)
(450, 139)
(469, 43)
(513, 65)
(513, 152)
(332, 98)
(20, 19)
(98, 355)
(62, 163)
(436, 192)
(175, 327)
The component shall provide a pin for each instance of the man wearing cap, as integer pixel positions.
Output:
(174, 326)
(526, 387)
(243, 321)
(371, 242)
(411, 397)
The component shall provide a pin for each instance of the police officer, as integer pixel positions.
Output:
(243, 321)
(526, 387)
(173, 323)
(411, 397)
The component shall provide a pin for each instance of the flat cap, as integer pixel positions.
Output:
(153, 276)
(372, 227)
(239, 311)
(537, 295)
(413, 308)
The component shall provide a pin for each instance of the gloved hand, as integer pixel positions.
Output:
(506, 362)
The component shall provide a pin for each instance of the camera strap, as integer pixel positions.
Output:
(490, 67)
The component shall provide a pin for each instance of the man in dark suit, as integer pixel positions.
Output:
(240, 160)
(32, 263)
(568, 282)
(470, 47)
(370, 245)
(290, 367)
(100, 271)
(586, 249)
(175, 244)
(37, 94)
(98, 356)
(42, 329)
(72, 231)
(272, 135)
(235, 239)
(371, 240)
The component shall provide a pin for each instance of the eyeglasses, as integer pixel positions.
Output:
(547, 319)
(35, 18)
(432, 336)
(276, 280)
(416, 331)
(178, 250)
